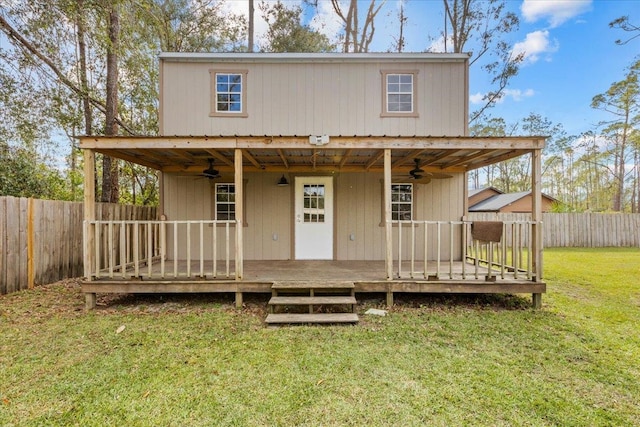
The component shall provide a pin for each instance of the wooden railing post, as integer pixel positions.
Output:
(536, 214)
(89, 215)
(239, 213)
(387, 215)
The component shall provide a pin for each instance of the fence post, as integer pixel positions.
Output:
(30, 245)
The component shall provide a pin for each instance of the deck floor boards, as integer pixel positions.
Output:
(305, 271)
(366, 276)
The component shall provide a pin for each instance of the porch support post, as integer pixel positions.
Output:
(89, 215)
(536, 217)
(239, 255)
(387, 221)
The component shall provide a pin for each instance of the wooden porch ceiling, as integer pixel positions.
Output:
(190, 154)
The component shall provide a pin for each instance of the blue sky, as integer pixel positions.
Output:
(570, 49)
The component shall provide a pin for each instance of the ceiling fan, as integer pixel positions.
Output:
(418, 175)
(211, 172)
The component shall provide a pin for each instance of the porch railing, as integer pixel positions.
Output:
(437, 250)
(160, 249)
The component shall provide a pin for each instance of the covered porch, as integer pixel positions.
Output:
(422, 256)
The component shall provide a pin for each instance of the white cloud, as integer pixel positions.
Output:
(534, 45)
(327, 22)
(516, 95)
(555, 11)
(438, 45)
(476, 98)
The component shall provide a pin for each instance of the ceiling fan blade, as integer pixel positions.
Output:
(422, 180)
(439, 175)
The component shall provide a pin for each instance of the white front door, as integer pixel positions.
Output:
(314, 217)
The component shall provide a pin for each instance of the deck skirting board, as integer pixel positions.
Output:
(454, 287)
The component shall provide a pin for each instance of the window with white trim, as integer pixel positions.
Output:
(229, 93)
(225, 202)
(401, 202)
(399, 93)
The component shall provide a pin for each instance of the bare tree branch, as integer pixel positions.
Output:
(24, 44)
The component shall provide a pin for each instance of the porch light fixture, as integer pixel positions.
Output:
(283, 182)
(318, 139)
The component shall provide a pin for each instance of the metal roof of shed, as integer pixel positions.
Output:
(312, 57)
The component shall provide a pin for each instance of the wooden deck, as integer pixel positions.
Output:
(367, 276)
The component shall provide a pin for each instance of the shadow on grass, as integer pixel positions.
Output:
(258, 302)
(439, 301)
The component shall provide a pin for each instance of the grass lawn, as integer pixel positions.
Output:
(435, 360)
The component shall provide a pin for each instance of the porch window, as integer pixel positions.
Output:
(399, 89)
(401, 202)
(225, 205)
(229, 93)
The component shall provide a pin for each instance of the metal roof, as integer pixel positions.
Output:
(497, 202)
(311, 57)
(189, 154)
(481, 189)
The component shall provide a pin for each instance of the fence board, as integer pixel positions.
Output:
(3, 240)
(13, 243)
(587, 230)
(56, 236)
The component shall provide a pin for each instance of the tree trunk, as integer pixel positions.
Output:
(356, 38)
(110, 187)
(84, 84)
(251, 25)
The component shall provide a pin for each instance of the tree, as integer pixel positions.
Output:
(624, 24)
(357, 38)
(287, 34)
(490, 127)
(482, 24)
(399, 42)
(514, 174)
(622, 100)
(53, 70)
(24, 173)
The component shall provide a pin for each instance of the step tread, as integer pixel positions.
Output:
(306, 300)
(312, 318)
(310, 284)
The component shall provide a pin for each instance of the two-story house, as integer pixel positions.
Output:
(334, 168)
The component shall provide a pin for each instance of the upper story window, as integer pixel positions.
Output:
(229, 93)
(401, 202)
(399, 94)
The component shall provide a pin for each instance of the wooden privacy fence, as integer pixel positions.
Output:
(41, 240)
(583, 230)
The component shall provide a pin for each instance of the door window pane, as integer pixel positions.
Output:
(313, 202)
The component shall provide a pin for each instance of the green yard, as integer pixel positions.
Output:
(195, 360)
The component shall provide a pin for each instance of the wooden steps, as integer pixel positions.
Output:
(293, 318)
(318, 297)
(323, 300)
